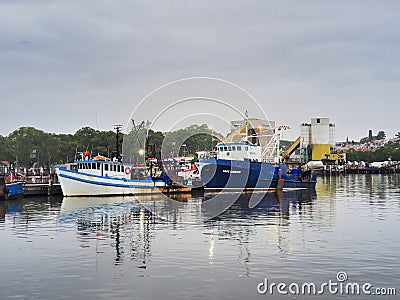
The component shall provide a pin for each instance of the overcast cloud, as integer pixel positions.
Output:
(66, 64)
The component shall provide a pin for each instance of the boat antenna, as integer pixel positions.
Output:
(76, 150)
(91, 150)
(118, 141)
(246, 115)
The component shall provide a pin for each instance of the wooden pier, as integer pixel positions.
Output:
(31, 189)
(42, 185)
(334, 170)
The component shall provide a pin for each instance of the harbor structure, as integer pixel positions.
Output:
(318, 141)
(259, 131)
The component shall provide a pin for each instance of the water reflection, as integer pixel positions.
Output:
(271, 215)
(129, 224)
(26, 210)
(150, 247)
(110, 221)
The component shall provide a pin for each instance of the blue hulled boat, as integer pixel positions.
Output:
(296, 178)
(10, 189)
(235, 165)
(244, 165)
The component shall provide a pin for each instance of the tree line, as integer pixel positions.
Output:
(391, 151)
(28, 146)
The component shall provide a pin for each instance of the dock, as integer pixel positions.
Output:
(31, 189)
(42, 185)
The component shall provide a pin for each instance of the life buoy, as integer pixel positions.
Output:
(10, 178)
(127, 170)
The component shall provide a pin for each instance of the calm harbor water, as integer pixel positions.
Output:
(113, 248)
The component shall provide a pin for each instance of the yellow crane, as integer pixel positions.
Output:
(291, 149)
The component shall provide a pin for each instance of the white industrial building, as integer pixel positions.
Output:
(317, 139)
(319, 132)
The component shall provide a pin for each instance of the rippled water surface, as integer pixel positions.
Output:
(114, 248)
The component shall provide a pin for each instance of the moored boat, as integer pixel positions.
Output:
(12, 189)
(101, 176)
(242, 165)
(235, 165)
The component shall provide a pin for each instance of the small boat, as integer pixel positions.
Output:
(295, 178)
(10, 188)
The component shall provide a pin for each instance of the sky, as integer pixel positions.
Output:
(69, 64)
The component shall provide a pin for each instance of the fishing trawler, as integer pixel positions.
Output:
(245, 164)
(101, 176)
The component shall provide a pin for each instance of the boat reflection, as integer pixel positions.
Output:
(247, 205)
(269, 218)
(128, 224)
(25, 210)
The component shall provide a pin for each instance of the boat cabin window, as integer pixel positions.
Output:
(246, 148)
(239, 148)
(229, 148)
(105, 167)
(233, 148)
(98, 166)
(225, 148)
(221, 148)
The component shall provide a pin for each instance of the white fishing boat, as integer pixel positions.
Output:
(101, 176)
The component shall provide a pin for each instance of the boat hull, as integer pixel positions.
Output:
(12, 190)
(80, 184)
(235, 174)
(230, 175)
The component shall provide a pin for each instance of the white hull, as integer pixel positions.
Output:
(81, 184)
